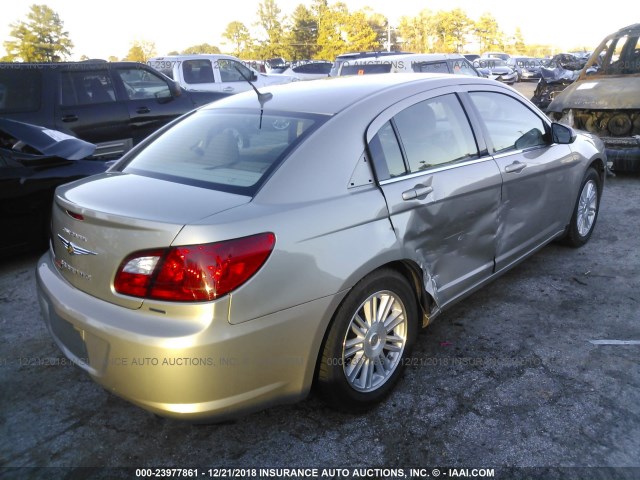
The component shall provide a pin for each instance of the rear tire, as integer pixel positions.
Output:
(369, 341)
(585, 212)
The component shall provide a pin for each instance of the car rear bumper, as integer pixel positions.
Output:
(204, 370)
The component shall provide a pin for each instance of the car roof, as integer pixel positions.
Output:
(195, 56)
(332, 95)
(423, 57)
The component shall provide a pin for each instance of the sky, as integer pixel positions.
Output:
(102, 29)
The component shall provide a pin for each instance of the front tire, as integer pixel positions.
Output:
(585, 212)
(369, 340)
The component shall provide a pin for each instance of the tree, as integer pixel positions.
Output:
(380, 24)
(141, 51)
(239, 36)
(488, 33)
(40, 39)
(202, 48)
(270, 20)
(303, 35)
(112, 58)
(518, 41)
(340, 31)
(451, 28)
(416, 32)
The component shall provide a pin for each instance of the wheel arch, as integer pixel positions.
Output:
(412, 272)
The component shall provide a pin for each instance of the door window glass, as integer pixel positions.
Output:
(435, 132)
(510, 124)
(86, 87)
(142, 84)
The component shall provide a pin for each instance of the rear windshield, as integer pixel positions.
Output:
(228, 150)
(363, 67)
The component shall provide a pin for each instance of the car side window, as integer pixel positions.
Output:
(232, 71)
(435, 132)
(430, 67)
(386, 154)
(86, 87)
(510, 124)
(142, 84)
(197, 71)
(462, 67)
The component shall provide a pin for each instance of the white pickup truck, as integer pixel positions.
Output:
(214, 73)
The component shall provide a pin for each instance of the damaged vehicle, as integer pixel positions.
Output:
(555, 74)
(605, 99)
(33, 162)
(239, 275)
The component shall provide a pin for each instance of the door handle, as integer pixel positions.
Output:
(418, 191)
(143, 110)
(227, 89)
(70, 118)
(515, 167)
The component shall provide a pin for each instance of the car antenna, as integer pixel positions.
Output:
(262, 97)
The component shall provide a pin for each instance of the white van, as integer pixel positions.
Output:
(453, 63)
(214, 73)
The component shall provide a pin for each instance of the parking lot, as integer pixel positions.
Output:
(534, 376)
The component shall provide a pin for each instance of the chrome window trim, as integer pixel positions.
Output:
(445, 166)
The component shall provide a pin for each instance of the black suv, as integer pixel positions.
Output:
(112, 104)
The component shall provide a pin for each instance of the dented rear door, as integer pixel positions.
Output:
(443, 194)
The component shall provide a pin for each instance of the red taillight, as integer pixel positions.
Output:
(194, 272)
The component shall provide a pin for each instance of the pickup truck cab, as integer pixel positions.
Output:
(113, 105)
(214, 73)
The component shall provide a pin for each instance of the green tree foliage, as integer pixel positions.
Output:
(380, 24)
(451, 28)
(202, 48)
(239, 38)
(488, 33)
(518, 41)
(340, 31)
(39, 39)
(271, 21)
(416, 32)
(303, 35)
(141, 51)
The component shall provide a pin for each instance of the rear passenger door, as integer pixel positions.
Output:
(441, 188)
(90, 109)
(536, 200)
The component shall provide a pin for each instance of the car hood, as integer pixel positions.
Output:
(500, 70)
(48, 142)
(599, 93)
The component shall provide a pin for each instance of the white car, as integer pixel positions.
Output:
(214, 73)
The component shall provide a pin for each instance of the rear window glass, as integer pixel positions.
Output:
(364, 68)
(19, 90)
(228, 150)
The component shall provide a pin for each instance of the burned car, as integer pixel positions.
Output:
(555, 75)
(33, 162)
(605, 99)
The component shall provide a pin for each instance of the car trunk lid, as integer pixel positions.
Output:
(98, 222)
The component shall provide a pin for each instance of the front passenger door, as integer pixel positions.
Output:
(150, 102)
(536, 202)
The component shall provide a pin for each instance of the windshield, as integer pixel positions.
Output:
(228, 150)
(619, 56)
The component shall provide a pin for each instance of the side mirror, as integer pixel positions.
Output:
(175, 89)
(562, 134)
(254, 76)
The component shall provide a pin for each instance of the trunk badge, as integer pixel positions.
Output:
(73, 249)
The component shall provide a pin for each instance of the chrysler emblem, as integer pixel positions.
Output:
(73, 249)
